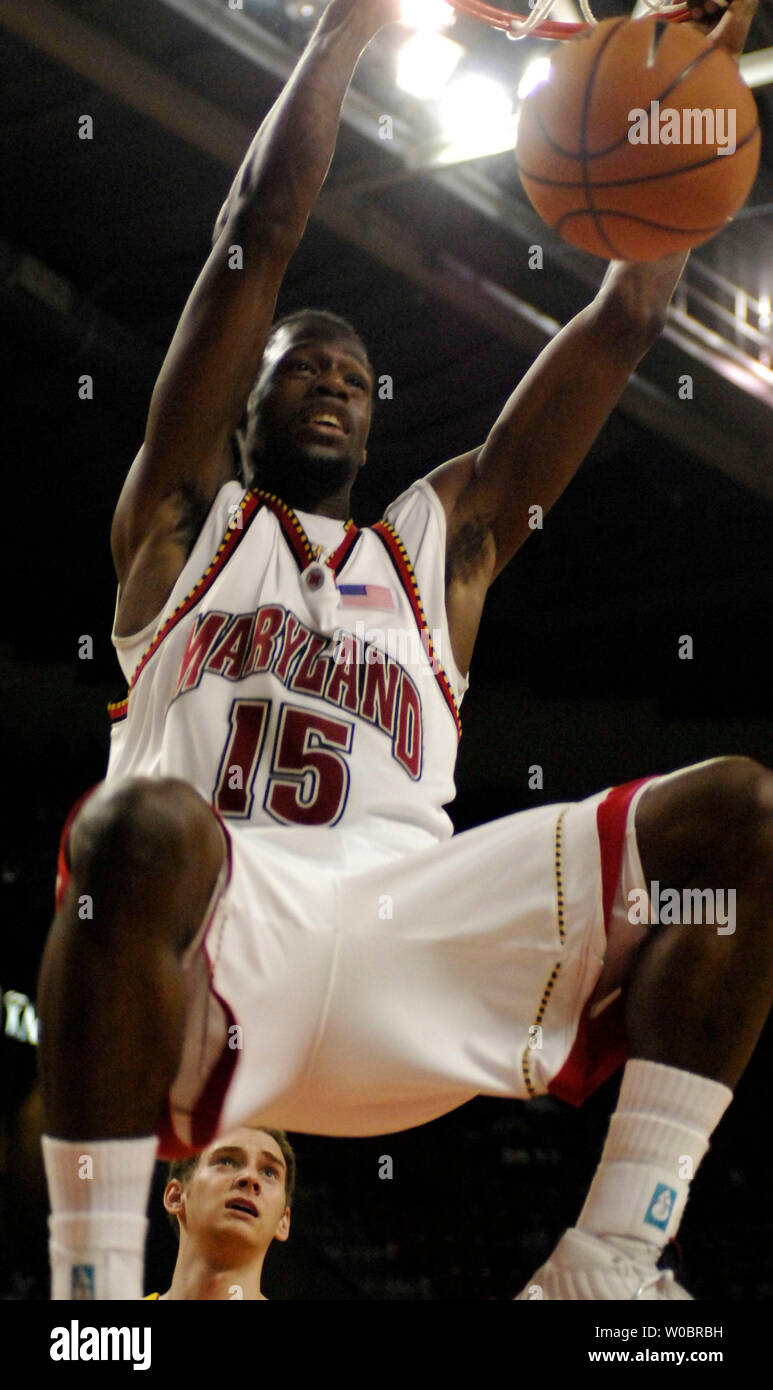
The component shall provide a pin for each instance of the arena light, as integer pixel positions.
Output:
(757, 68)
(501, 139)
(534, 74)
(425, 64)
(303, 11)
(476, 112)
(427, 14)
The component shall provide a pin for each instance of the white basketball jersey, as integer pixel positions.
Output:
(297, 688)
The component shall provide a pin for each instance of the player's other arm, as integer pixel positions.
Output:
(550, 421)
(211, 365)
(556, 412)
(542, 436)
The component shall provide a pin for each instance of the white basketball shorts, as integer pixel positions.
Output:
(338, 989)
(340, 985)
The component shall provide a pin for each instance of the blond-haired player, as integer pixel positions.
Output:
(228, 1204)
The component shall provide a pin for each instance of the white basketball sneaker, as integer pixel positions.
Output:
(592, 1268)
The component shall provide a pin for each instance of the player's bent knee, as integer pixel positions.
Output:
(739, 796)
(710, 818)
(147, 827)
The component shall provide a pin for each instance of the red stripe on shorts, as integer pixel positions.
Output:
(63, 857)
(600, 1045)
(206, 1113)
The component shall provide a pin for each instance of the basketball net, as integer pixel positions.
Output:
(538, 25)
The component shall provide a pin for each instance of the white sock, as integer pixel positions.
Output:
(99, 1195)
(657, 1138)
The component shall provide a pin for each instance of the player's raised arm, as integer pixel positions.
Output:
(201, 392)
(557, 410)
(551, 419)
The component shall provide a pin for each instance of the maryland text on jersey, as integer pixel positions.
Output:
(342, 670)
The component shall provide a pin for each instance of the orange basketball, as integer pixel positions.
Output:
(643, 140)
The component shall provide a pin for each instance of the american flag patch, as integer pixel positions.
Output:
(367, 596)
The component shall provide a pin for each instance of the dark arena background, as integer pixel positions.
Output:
(581, 667)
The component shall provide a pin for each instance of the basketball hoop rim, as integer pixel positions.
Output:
(517, 26)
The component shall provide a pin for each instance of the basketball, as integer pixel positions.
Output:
(643, 141)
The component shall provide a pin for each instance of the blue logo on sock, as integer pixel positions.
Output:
(82, 1282)
(661, 1206)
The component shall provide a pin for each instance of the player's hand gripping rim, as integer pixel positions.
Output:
(725, 22)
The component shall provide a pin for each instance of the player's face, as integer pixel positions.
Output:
(313, 411)
(234, 1202)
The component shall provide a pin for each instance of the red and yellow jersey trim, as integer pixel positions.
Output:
(298, 541)
(404, 570)
(301, 548)
(249, 507)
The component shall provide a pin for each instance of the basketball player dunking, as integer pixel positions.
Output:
(321, 954)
